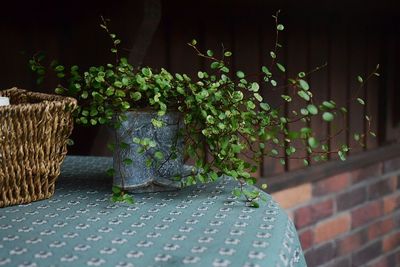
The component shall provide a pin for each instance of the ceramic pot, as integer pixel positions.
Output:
(139, 175)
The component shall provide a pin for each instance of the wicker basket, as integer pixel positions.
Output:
(33, 133)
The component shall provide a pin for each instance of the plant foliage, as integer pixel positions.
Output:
(225, 111)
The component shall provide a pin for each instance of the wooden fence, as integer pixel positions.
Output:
(352, 43)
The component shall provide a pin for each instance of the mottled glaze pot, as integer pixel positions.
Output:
(161, 174)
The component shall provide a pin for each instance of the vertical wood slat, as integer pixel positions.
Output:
(392, 57)
(357, 67)
(156, 56)
(372, 88)
(297, 62)
(338, 80)
(271, 95)
(318, 47)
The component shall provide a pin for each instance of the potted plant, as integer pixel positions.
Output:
(160, 119)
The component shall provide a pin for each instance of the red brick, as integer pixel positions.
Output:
(391, 242)
(320, 255)
(391, 165)
(366, 173)
(345, 262)
(366, 213)
(352, 242)
(331, 228)
(306, 239)
(382, 187)
(391, 203)
(332, 184)
(383, 262)
(380, 228)
(311, 214)
(350, 199)
(367, 254)
(294, 196)
(393, 258)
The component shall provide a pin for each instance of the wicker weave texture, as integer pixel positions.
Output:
(33, 134)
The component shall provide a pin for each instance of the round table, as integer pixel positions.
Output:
(202, 225)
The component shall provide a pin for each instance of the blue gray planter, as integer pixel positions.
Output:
(161, 174)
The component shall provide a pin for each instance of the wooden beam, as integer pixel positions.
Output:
(144, 36)
(323, 170)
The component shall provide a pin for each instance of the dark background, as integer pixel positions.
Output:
(352, 36)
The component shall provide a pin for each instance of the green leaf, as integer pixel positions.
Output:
(85, 94)
(236, 192)
(59, 90)
(250, 105)
(159, 155)
(286, 98)
(272, 54)
(128, 199)
(146, 72)
(193, 42)
(327, 116)
(342, 155)
(280, 67)
(135, 96)
(128, 161)
(265, 106)
(265, 70)
(264, 186)
(200, 74)
(328, 104)
(157, 123)
(255, 87)
(280, 27)
(258, 97)
(125, 81)
(118, 84)
(59, 68)
(110, 172)
(215, 65)
(361, 101)
(273, 83)
(240, 74)
(304, 111)
(312, 142)
(149, 162)
(125, 105)
(301, 74)
(304, 95)
(210, 119)
(312, 109)
(110, 91)
(360, 79)
(228, 53)
(210, 53)
(304, 85)
(116, 189)
(254, 204)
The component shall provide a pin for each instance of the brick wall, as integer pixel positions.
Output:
(350, 219)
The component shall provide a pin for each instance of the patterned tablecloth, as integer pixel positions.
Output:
(202, 225)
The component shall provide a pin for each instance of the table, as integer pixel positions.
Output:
(203, 225)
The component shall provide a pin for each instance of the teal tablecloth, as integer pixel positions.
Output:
(202, 225)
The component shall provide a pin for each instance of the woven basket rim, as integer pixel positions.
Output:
(44, 98)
